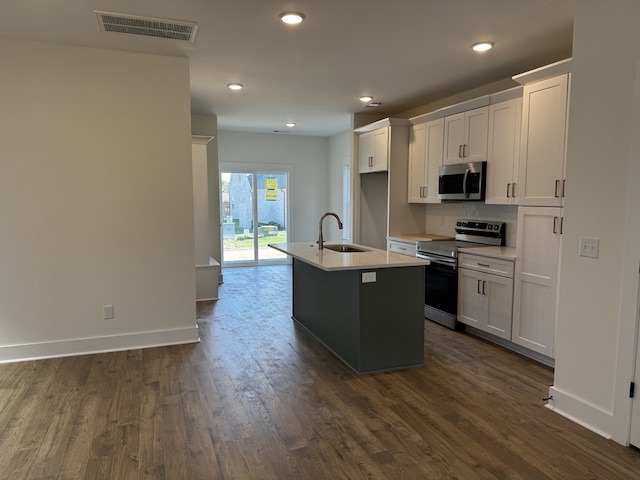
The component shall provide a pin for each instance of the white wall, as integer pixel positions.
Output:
(341, 148)
(96, 204)
(207, 126)
(309, 157)
(598, 297)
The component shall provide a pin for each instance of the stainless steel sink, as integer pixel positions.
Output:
(345, 248)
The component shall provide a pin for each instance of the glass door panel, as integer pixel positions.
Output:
(237, 217)
(272, 214)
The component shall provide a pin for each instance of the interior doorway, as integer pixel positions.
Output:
(254, 213)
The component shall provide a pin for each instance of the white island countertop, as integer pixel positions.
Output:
(330, 260)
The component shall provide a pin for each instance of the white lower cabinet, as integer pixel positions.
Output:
(485, 300)
(403, 247)
(536, 278)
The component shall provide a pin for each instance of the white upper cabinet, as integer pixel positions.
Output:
(373, 151)
(543, 140)
(425, 156)
(465, 136)
(503, 152)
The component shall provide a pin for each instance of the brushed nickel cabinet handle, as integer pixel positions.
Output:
(563, 185)
(556, 194)
(484, 283)
(479, 292)
(508, 190)
(460, 154)
(555, 224)
(561, 225)
(513, 190)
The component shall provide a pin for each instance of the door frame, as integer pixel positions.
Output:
(254, 169)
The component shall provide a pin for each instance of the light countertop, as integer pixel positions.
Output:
(329, 260)
(505, 253)
(418, 237)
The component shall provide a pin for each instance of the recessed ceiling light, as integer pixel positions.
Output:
(366, 98)
(291, 18)
(290, 124)
(482, 46)
(235, 86)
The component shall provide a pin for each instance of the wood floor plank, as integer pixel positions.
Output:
(76, 455)
(259, 398)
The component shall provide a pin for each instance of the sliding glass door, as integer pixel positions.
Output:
(255, 213)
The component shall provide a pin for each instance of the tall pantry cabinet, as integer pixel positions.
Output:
(540, 215)
(537, 272)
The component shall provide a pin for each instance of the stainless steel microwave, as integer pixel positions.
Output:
(462, 181)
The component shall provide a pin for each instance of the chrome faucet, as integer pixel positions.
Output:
(320, 239)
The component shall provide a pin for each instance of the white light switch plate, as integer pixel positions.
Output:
(589, 247)
(368, 277)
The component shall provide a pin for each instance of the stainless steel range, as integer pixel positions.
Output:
(441, 277)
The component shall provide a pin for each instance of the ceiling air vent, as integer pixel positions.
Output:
(147, 27)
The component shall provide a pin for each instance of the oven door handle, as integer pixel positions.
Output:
(438, 260)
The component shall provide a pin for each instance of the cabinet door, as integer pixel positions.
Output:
(498, 294)
(373, 151)
(435, 147)
(536, 282)
(476, 126)
(470, 299)
(544, 125)
(502, 151)
(365, 152)
(454, 138)
(466, 136)
(417, 163)
(380, 161)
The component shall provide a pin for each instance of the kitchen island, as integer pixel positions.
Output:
(366, 306)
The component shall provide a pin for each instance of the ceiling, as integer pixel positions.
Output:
(405, 53)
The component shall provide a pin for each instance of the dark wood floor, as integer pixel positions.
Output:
(259, 399)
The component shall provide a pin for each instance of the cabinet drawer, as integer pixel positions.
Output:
(486, 264)
(404, 248)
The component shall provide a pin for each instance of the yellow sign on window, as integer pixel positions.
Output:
(271, 194)
(271, 183)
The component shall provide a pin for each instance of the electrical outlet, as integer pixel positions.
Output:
(107, 312)
(589, 247)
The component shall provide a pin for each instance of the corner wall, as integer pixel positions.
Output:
(207, 126)
(95, 200)
(597, 303)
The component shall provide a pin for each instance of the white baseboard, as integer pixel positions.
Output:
(589, 416)
(85, 346)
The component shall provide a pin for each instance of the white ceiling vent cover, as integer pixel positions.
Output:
(147, 27)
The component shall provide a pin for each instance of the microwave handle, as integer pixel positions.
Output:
(464, 183)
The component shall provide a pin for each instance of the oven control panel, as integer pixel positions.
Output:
(475, 226)
(489, 232)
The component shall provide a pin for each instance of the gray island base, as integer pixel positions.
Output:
(372, 326)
